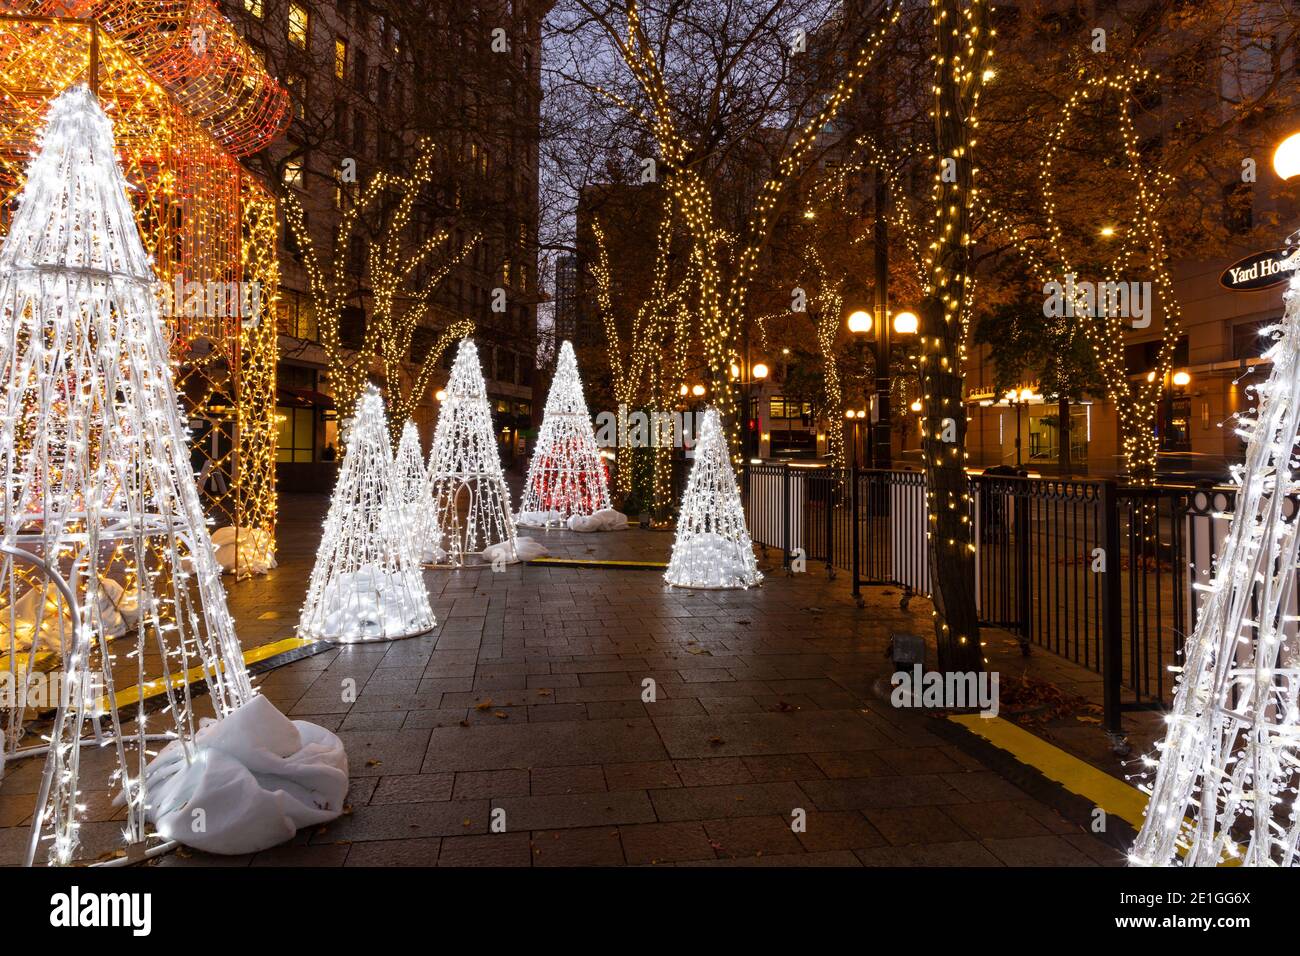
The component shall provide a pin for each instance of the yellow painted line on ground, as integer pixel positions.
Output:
(138, 692)
(600, 563)
(1114, 796)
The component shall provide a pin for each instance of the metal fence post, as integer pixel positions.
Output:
(1025, 575)
(828, 502)
(1112, 635)
(785, 516)
(855, 559)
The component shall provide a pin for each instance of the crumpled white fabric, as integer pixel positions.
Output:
(539, 519)
(244, 550)
(525, 550)
(257, 777)
(606, 519)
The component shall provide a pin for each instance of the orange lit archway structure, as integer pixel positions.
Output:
(181, 116)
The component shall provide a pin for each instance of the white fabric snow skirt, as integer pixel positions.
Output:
(256, 779)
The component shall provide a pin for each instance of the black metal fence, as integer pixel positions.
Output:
(1094, 571)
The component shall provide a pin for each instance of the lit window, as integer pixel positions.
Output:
(293, 173)
(340, 57)
(299, 25)
(255, 8)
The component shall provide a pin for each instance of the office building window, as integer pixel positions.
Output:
(297, 436)
(299, 25)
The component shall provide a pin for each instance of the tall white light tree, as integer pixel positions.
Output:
(468, 488)
(98, 487)
(1225, 781)
(567, 475)
(412, 483)
(367, 584)
(712, 548)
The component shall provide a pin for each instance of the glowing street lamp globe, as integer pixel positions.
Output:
(760, 370)
(906, 323)
(1286, 158)
(860, 322)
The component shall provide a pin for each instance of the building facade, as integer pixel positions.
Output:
(369, 81)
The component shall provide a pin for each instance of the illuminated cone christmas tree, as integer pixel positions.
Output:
(1225, 780)
(712, 548)
(567, 474)
(367, 584)
(412, 483)
(100, 491)
(471, 501)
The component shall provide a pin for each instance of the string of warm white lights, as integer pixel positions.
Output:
(1226, 769)
(657, 345)
(567, 474)
(725, 265)
(1140, 248)
(366, 584)
(95, 464)
(401, 296)
(963, 48)
(712, 548)
(411, 482)
(466, 484)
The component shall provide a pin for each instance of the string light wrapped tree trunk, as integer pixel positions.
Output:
(567, 474)
(367, 583)
(712, 548)
(962, 51)
(100, 494)
(1227, 765)
(468, 489)
(412, 489)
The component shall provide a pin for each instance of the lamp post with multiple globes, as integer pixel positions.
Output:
(861, 322)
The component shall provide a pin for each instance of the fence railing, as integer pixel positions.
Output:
(1099, 573)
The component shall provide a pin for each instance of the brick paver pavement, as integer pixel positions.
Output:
(528, 699)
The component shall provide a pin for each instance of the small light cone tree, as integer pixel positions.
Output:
(1225, 780)
(470, 499)
(712, 548)
(567, 475)
(100, 492)
(412, 483)
(367, 584)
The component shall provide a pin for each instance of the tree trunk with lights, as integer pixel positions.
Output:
(1064, 463)
(961, 50)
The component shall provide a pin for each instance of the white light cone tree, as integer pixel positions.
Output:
(1225, 774)
(367, 584)
(411, 480)
(712, 548)
(99, 490)
(466, 484)
(567, 474)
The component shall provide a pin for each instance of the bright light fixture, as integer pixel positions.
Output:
(1286, 159)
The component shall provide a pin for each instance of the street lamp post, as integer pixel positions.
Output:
(904, 323)
(1017, 399)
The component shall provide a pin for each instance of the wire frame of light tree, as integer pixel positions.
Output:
(1227, 767)
(99, 489)
(419, 523)
(367, 584)
(712, 548)
(210, 228)
(567, 474)
(468, 488)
